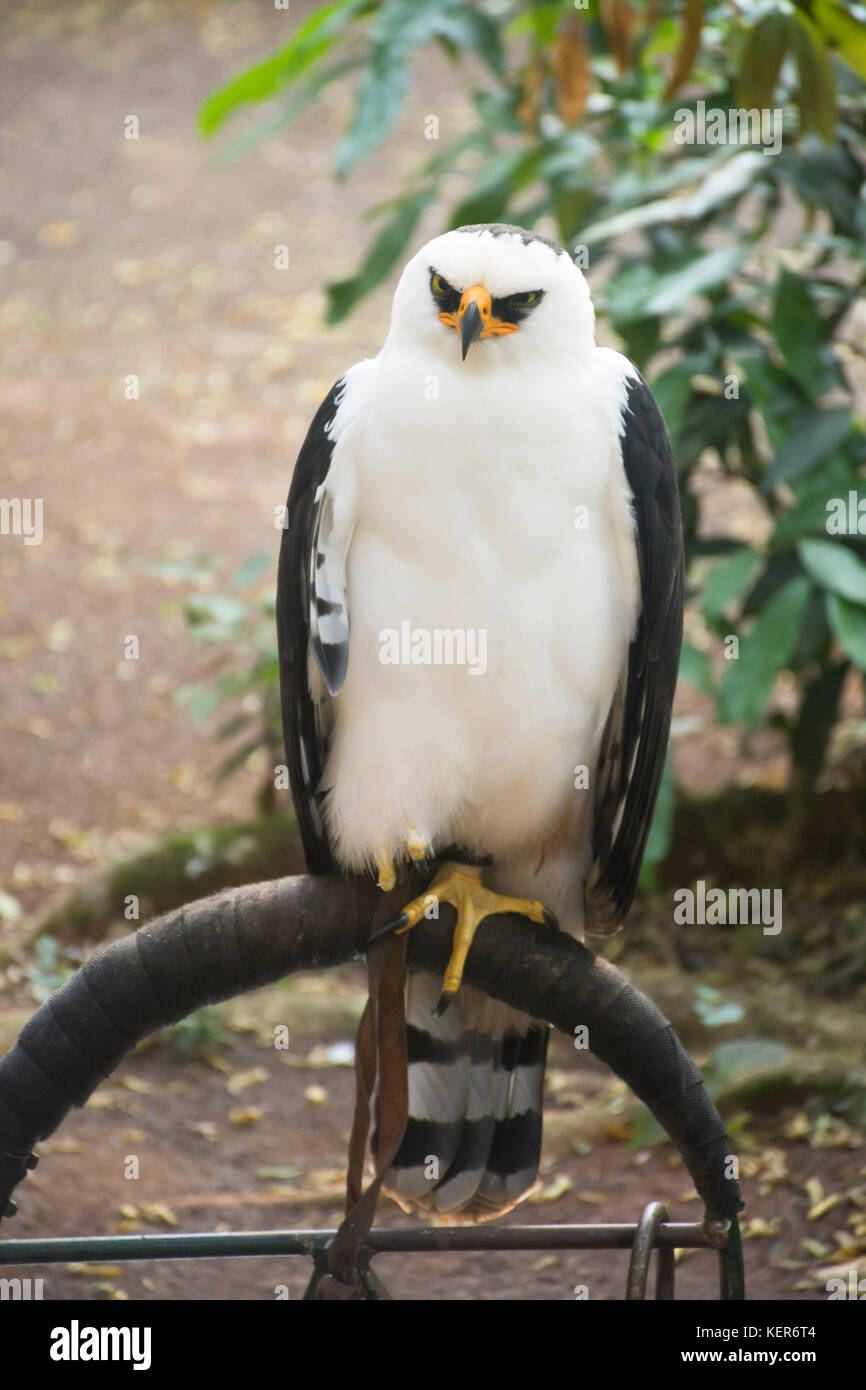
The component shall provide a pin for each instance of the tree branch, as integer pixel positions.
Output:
(243, 938)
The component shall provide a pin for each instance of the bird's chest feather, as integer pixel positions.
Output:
(490, 615)
(482, 502)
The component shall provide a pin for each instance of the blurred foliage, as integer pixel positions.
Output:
(49, 969)
(730, 274)
(239, 623)
(199, 1035)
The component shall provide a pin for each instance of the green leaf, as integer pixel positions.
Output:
(661, 831)
(378, 103)
(817, 94)
(834, 565)
(695, 668)
(714, 1010)
(311, 39)
(728, 581)
(673, 388)
(646, 1131)
(797, 330)
(813, 507)
(732, 1061)
(473, 31)
(748, 682)
(497, 181)
(201, 700)
(848, 621)
(306, 92)
(343, 295)
(847, 33)
(251, 568)
(762, 60)
(673, 290)
(400, 27)
(825, 178)
(718, 186)
(498, 111)
(812, 435)
(818, 712)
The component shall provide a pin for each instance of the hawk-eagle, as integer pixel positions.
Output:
(479, 613)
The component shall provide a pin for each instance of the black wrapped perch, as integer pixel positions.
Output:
(244, 938)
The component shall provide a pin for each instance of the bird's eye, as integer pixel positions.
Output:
(440, 286)
(514, 308)
(446, 298)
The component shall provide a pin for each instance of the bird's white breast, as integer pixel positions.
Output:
(489, 503)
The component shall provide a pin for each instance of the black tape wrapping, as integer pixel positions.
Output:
(244, 938)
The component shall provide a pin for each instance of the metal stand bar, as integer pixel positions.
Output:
(653, 1231)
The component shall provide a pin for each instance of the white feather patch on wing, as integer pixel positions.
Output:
(329, 600)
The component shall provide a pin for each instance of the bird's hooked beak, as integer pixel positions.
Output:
(475, 318)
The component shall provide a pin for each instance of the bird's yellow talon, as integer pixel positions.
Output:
(386, 871)
(416, 846)
(460, 885)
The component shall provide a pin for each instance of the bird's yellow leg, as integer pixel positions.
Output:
(461, 886)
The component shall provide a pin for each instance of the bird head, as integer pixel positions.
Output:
(496, 287)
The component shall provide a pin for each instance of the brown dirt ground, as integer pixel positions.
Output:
(206, 1179)
(143, 257)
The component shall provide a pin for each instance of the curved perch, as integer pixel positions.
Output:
(247, 937)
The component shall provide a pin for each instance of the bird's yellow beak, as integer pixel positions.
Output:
(475, 318)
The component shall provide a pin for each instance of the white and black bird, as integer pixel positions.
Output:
(480, 613)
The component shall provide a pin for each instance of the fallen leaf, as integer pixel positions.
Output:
(759, 1227)
(243, 1116)
(242, 1080)
(552, 1191)
(814, 1191)
(158, 1211)
(545, 1262)
(135, 1083)
(617, 1131)
(207, 1129)
(822, 1207)
(62, 1146)
(816, 1248)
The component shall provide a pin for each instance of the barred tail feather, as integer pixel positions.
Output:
(476, 1076)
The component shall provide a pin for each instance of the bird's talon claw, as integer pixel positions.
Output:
(396, 924)
(444, 1000)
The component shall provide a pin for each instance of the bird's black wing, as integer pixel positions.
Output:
(312, 618)
(635, 739)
